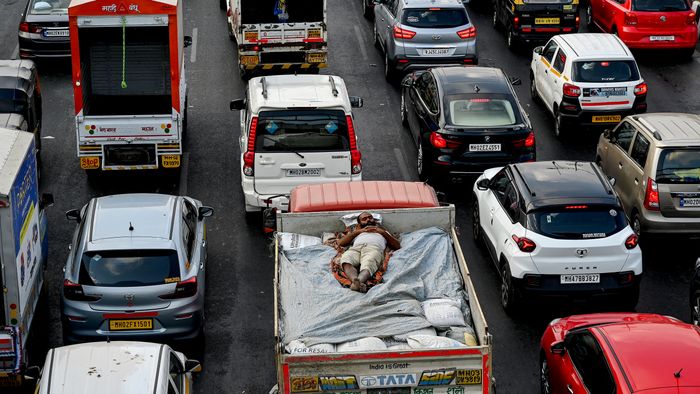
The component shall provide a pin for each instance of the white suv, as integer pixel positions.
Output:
(587, 79)
(295, 129)
(556, 228)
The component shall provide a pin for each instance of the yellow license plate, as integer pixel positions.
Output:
(131, 324)
(316, 57)
(10, 381)
(89, 163)
(314, 33)
(546, 21)
(170, 161)
(607, 119)
(251, 36)
(468, 376)
(249, 60)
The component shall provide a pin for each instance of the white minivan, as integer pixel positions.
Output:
(295, 129)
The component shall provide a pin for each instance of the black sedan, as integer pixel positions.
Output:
(464, 120)
(695, 295)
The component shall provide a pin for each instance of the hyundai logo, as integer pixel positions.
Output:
(663, 18)
(437, 37)
(581, 252)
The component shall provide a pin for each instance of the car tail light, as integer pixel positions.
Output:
(184, 289)
(403, 34)
(571, 90)
(527, 142)
(631, 241)
(533, 280)
(524, 244)
(625, 278)
(630, 19)
(516, 22)
(651, 198)
(691, 20)
(437, 140)
(576, 207)
(74, 292)
(249, 155)
(29, 27)
(640, 89)
(355, 155)
(467, 33)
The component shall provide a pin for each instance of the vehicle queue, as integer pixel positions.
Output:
(466, 122)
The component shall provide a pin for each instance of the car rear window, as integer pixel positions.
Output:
(578, 222)
(48, 7)
(435, 17)
(679, 166)
(481, 111)
(605, 71)
(302, 130)
(127, 268)
(659, 5)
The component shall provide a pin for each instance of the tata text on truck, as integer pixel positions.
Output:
(405, 207)
(279, 34)
(23, 249)
(128, 83)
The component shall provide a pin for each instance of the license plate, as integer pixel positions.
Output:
(662, 38)
(250, 36)
(314, 33)
(690, 202)
(170, 161)
(89, 163)
(436, 51)
(607, 119)
(605, 92)
(546, 21)
(131, 324)
(11, 381)
(316, 57)
(56, 33)
(484, 147)
(580, 278)
(304, 172)
(468, 376)
(249, 60)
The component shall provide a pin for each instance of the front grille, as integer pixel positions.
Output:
(282, 57)
(125, 155)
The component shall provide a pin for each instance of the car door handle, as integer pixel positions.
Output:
(636, 181)
(546, 71)
(619, 165)
(266, 162)
(204, 244)
(568, 387)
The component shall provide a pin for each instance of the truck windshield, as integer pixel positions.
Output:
(129, 268)
(577, 222)
(605, 71)
(659, 5)
(435, 17)
(302, 130)
(276, 11)
(679, 166)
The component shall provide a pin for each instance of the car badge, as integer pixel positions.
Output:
(302, 164)
(663, 18)
(129, 299)
(487, 138)
(581, 253)
(437, 37)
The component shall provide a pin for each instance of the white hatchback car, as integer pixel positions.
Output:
(295, 129)
(587, 79)
(556, 228)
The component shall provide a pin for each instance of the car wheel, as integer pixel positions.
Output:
(421, 165)
(377, 44)
(533, 88)
(589, 17)
(558, 130)
(695, 308)
(509, 296)
(636, 226)
(494, 20)
(222, 4)
(477, 230)
(510, 39)
(389, 72)
(367, 11)
(545, 387)
(404, 114)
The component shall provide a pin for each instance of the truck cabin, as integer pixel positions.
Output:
(294, 11)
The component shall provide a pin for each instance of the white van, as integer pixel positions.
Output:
(295, 129)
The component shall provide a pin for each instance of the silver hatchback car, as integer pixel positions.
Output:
(136, 269)
(419, 34)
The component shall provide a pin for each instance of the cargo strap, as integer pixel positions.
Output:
(123, 52)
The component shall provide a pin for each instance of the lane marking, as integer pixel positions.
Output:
(361, 41)
(15, 52)
(403, 168)
(193, 54)
(182, 188)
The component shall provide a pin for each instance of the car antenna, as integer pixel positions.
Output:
(131, 227)
(678, 373)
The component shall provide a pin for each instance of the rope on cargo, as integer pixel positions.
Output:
(123, 52)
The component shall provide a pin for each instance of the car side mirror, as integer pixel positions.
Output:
(73, 214)
(607, 133)
(205, 212)
(46, 200)
(193, 366)
(187, 41)
(558, 348)
(356, 101)
(515, 81)
(237, 105)
(483, 184)
(538, 50)
(32, 373)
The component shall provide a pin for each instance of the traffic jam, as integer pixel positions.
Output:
(393, 197)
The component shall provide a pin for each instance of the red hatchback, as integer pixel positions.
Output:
(620, 353)
(650, 24)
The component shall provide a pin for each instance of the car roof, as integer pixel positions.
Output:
(672, 129)
(149, 214)
(650, 352)
(464, 79)
(550, 183)
(595, 45)
(118, 367)
(433, 3)
(289, 91)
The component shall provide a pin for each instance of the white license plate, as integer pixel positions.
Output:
(579, 278)
(56, 33)
(690, 202)
(304, 172)
(436, 51)
(484, 147)
(662, 38)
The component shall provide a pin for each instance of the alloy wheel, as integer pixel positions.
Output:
(419, 159)
(476, 225)
(545, 388)
(505, 287)
(403, 109)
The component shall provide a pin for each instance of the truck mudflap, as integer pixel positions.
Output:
(10, 357)
(424, 371)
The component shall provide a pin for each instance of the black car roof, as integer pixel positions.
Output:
(463, 79)
(549, 183)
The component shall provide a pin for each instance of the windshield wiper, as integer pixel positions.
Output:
(285, 146)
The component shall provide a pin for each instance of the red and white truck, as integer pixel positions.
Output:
(129, 83)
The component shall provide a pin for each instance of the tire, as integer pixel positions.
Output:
(423, 170)
(510, 299)
(389, 71)
(222, 4)
(495, 22)
(636, 225)
(559, 132)
(589, 18)
(533, 88)
(545, 387)
(695, 307)
(477, 230)
(511, 39)
(402, 110)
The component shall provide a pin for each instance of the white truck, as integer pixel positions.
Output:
(466, 369)
(282, 35)
(23, 250)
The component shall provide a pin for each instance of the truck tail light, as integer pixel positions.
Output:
(355, 155)
(249, 155)
(184, 289)
(631, 241)
(571, 90)
(516, 22)
(524, 244)
(640, 89)
(74, 292)
(630, 19)
(691, 20)
(467, 33)
(651, 197)
(403, 34)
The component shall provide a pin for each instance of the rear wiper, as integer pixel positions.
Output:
(285, 146)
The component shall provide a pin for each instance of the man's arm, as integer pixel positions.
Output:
(347, 239)
(390, 239)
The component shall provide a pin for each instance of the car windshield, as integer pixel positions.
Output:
(679, 166)
(481, 111)
(659, 5)
(578, 222)
(129, 268)
(605, 71)
(435, 17)
(44, 7)
(302, 130)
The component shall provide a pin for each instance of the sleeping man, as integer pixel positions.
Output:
(366, 254)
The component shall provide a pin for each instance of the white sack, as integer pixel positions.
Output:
(290, 241)
(443, 312)
(432, 342)
(422, 331)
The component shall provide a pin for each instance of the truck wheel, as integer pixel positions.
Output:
(222, 4)
(510, 299)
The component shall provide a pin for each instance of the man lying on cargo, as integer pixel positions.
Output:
(367, 251)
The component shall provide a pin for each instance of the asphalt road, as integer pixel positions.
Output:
(239, 356)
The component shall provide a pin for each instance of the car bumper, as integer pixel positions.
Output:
(655, 222)
(445, 167)
(586, 118)
(636, 39)
(255, 202)
(550, 286)
(407, 64)
(35, 48)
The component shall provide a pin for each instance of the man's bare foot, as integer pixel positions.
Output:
(356, 285)
(363, 288)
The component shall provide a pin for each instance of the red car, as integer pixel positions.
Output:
(620, 353)
(651, 24)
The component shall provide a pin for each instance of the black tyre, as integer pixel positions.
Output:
(477, 230)
(389, 71)
(510, 298)
(404, 113)
(636, 225)
(533, 88)
(377, 43)
(559, 128)
(421, 165)
(495, 22)
(545, 387)
(511, 39)
(222, 4)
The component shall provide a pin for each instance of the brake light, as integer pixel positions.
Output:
(184, 289)
(571, 90)
(527, 142)
(467, 33)
(576, 207)
(651, 197)
(29, 27)
(516, 22)
(640, 89)
(630, 19)
(437, 140)
(691, 19)
(524, 244)
(403, 34)
(249, 155)
(631, 241)
(74, 292)
(355, 155)
(480, 100)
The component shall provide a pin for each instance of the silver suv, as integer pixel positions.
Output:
(136, 269)
(419, 34)
(655, 160)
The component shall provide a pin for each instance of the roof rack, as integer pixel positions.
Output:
(651, 128)
(533, 194)
(609, 190)
(264, 87)
(333, 88)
